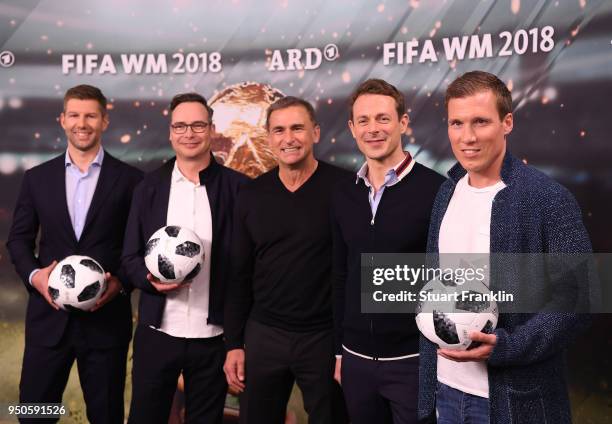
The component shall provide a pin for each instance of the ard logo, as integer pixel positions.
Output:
(7, 59)
(301, 59)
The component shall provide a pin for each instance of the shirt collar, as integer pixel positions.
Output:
(177, 175)
(393, 175)
(97, 160)
(363, 174)
(205, 175)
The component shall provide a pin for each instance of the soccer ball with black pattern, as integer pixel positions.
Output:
(174, 254)
(77, 282)
(448, 323)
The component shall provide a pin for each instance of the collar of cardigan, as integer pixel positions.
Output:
(507, 172)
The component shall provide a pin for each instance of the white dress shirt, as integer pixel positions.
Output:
(186, 310)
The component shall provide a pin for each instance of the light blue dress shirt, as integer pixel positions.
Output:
(392, 177)
(80, 187)
(374, 196)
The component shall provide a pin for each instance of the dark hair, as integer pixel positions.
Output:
(474, 82)
(188, 98)
(382, 87)
(86, 92)
(290, 101)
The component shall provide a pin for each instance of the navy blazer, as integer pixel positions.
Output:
(149, 212)
(42, 206)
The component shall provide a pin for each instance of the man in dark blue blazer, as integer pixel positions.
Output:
(79, 202)
(180, 325)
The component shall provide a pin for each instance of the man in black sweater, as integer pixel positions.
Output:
(278, 313)
(385, 209)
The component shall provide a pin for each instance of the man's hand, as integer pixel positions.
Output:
(234, 369)
(337, 375)
(113, 287)
(40, 281)
(162, 287)
(480, 353)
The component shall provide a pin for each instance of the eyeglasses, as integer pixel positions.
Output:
(196, 127)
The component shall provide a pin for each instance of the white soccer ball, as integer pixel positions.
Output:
(447, 319)
(174, 254)
(76, 282)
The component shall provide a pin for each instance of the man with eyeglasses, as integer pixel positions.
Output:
(180, 325)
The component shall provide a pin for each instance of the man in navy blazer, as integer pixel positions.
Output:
(79, 202)
(180, 325)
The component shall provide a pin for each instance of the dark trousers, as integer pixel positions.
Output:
(277, 358)
(45, 373)
(380, 391)
(159, 359)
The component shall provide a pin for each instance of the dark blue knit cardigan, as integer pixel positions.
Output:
(532, 214)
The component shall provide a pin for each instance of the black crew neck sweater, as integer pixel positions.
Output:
(281, 255)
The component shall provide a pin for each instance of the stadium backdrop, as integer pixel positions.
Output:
(555, 56)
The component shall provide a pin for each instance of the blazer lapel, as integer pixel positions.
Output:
(208, 178)
(106, 181)
(159, 196)
(58, 193)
